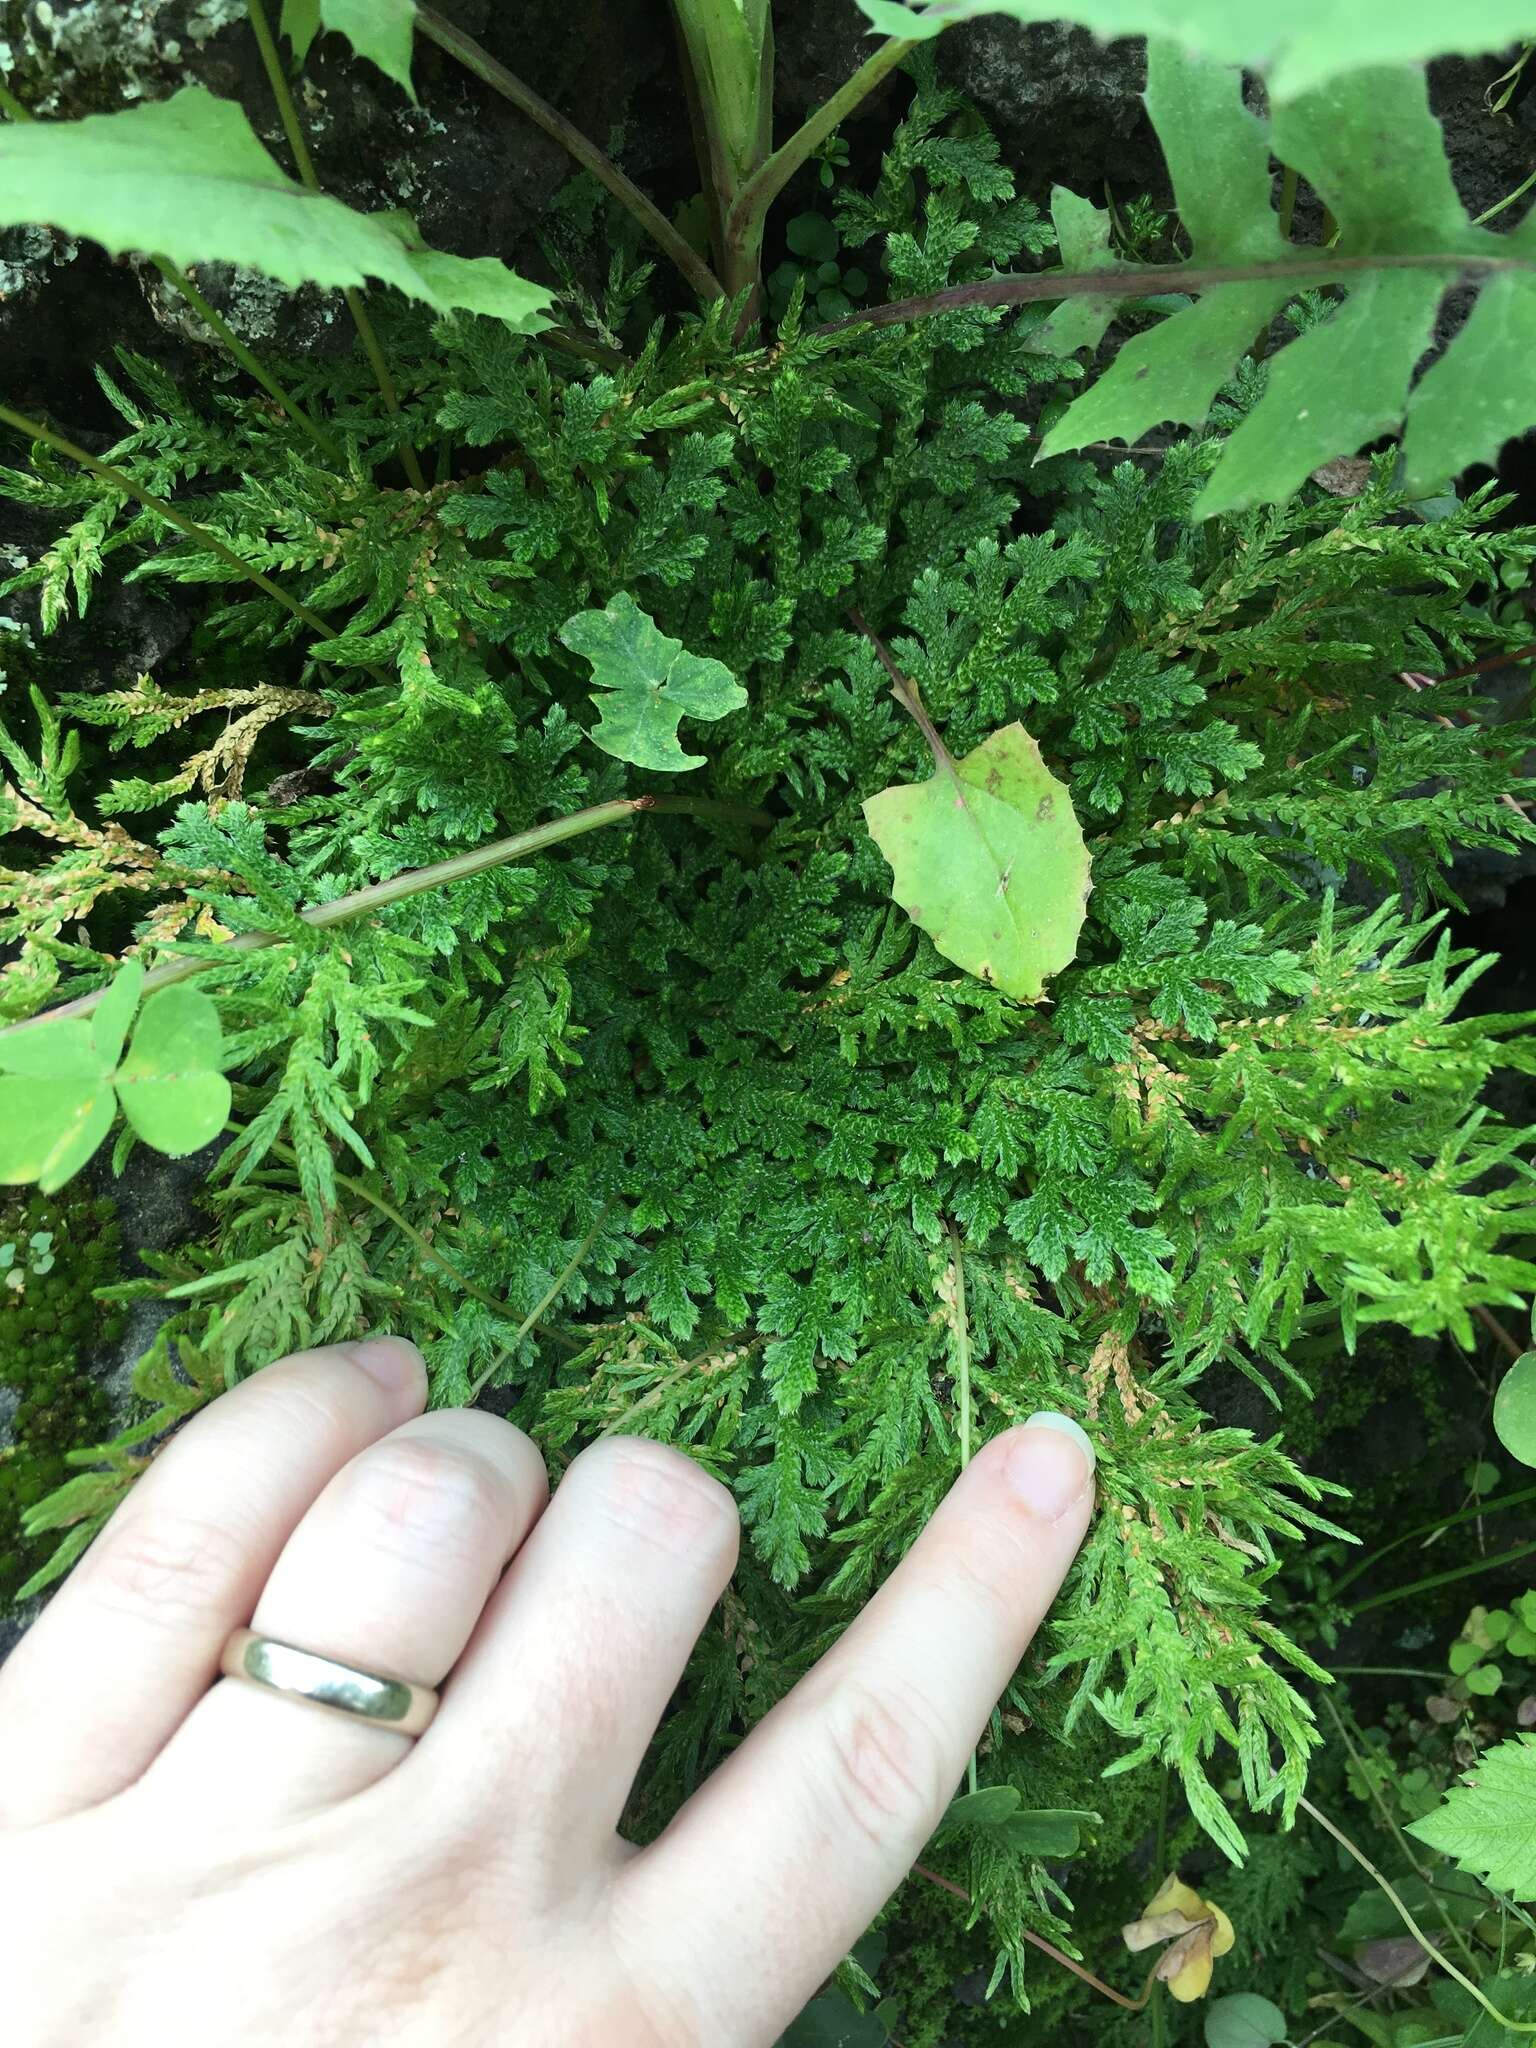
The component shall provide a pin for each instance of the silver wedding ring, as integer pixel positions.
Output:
(376, 1696)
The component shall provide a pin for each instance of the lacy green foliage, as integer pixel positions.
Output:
(48, 1322)
(1347, 379)
(711, 1076)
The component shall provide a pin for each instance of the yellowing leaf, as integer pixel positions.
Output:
(989, 859)
(1196, 1929)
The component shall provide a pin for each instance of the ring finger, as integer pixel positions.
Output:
(388, 1571)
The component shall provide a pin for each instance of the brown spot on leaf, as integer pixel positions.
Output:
(1045, 809)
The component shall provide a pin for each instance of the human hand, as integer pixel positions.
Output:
(182, 1864)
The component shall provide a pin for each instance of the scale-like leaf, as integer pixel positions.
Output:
(1348, 379)
(990, 861)
(188, 178)
(380, 30)
(646, 684)
(1488, 1826)
(1297, 43)
(170, 1086)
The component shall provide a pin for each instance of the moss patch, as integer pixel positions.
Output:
(61, 1250)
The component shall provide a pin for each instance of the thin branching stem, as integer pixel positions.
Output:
(546, 1300)
(485, 67)
(1049, 1948)
(180, 282)
(121, 481)
(379, 895)
(1353, 1849)
(1327, 266)
(770, 177)
(288, 114)
(250, 363)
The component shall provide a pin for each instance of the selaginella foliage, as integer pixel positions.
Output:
(695, 1090)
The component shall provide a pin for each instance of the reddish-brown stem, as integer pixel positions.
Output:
(904, 690)
(1049, 1948)
(1326, 267)
(1496, 1329)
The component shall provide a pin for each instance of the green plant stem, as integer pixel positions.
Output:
(379, 895)
(1430, 1528)
(1506, 201)
(551, 1295)
(1327, 267)
(947, 1884)
(248, 362)
(769, 179)
(121, 481)
(655, 223)
(288, 114)
(10, 105)
(1412, 1925)
(1404, 1848)
(427, 1250)
(1478, 1564)
(1383, 1671)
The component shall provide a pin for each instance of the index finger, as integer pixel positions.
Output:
(770, 1873)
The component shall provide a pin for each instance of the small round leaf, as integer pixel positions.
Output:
(171, 1087)
(1514, 1410)
(1243, 2020)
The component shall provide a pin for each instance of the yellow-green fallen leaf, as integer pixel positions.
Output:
(989, 859)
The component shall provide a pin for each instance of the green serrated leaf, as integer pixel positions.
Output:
(50, 1125)
(1488, 1825)
(1514, 1420)
(300, 23)
(1298, 43)
(989, 859)
(380, 30)
(188, 178)
(1347, 380)
(647, 684)
(170, 1085)
(1454, 419)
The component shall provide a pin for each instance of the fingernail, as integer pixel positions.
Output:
(1051, 1464)
(393, 1361)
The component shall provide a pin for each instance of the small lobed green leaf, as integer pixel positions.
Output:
(989, 859)
(1488, 1825)
(647, 684)
(188, 178)
(171, 1087)
(1514, 1419)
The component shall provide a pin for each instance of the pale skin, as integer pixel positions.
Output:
(188, 1859)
